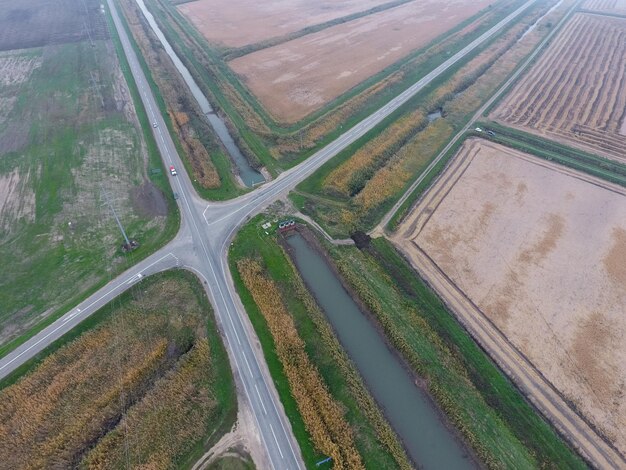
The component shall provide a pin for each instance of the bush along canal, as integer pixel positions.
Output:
(429, 442)
(248, 175)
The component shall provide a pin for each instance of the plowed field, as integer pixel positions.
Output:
(576, 92)
(537, 251)
(236, 23)
(297, 77)
(606, 6)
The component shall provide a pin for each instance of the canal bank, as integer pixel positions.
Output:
(376, 442)
(248, 175)
(428, 438)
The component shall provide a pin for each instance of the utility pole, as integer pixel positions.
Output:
(117, 219)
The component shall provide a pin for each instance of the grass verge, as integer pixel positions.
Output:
(496, 419)
(374, 440)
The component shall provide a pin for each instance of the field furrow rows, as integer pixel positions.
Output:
(546, 68)
(597, 79)
(576, 91)
(545, 99)
(598, 118)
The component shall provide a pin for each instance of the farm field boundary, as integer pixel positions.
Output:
(575, 92)
(384, 164)
(396, 214)
(288, 146)
(589, 440)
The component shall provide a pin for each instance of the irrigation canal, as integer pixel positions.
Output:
(248, 175)
(411, 413)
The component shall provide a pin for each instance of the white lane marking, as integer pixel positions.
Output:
(260, 399)
(276, 440)
(134, 278)
(72, 315)
(62, 321)
(249, 369)
(234, 329)
(128, 52)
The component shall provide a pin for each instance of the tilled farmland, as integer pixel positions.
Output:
(576, 92)
(530, 256)
(606, 6)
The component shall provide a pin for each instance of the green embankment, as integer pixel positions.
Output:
(206, 64)
(500, 424)
(601, 167)
(322, 347)
(228, 188)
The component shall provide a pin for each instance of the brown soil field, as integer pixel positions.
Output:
(576, 92)
(236, 23)
(540, 252)
(606, 6)
(309, 71)
(32, 23)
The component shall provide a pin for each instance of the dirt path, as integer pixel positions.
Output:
(243, 436)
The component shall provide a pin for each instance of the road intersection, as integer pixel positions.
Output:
(201, 246)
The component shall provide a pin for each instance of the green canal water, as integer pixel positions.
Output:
(411, 413)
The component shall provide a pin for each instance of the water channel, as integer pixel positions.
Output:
(248, 175)
(409, 410)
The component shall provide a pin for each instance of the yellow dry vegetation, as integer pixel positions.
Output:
(371, 153)
(179, 401)
(133, 364)
(203, 169)
(385, 164)
(322, 415)
(397, 173)
(51, 415)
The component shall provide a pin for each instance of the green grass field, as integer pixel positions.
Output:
(80, 138)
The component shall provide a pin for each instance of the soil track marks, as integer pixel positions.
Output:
(539, 250)
(576, 92)
(295, 78)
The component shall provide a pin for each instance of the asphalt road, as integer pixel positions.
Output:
(381, 227)
(202, 246)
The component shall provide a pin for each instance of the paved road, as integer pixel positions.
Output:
(202, 245)
(381, 227)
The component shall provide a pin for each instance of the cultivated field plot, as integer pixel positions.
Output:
(616, 7)
(576, 92)
(33, 23)
(540, 251)
(69, 133)
(294, 78)
(236, 23)
(136, 391)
